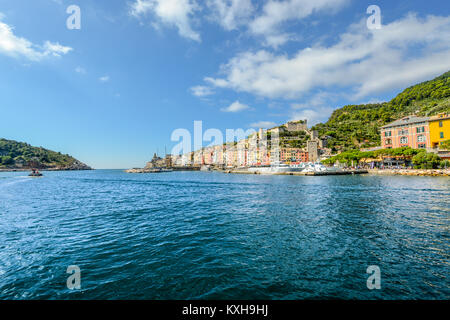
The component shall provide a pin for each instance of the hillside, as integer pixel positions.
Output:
(357, 126)
(19, 155)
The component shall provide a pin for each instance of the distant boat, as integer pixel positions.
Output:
(35, 173)
(158, 170)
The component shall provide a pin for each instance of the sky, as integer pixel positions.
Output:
(112, 92)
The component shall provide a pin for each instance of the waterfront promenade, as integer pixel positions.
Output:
(412, 172)
(329, 173)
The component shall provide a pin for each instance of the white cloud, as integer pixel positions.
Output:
(15, 46)
(202, 91)
(221, 83)
(316, 109)
(104, 79)
(275, 13)
(261, 18)
(177, 13)
(80, 70)
(55, 49)
(269, 21)
(263, 124)
(236, 107)
(314, 116)
(363, 61)
(231, 14)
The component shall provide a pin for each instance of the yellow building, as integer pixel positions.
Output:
(439, 129)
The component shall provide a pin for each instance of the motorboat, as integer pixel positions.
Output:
(35, 173)
(319, 167)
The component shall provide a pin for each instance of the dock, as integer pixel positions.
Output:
(162, 170)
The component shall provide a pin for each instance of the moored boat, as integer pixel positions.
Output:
(319, 167)
(273, 169)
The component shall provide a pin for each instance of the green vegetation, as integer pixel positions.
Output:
(299, 121)
(293, 139)
(357, 156)
(358, 126)
(444, 164)
(15, 154)
(445, 145)
(425, 160)
(419, 157)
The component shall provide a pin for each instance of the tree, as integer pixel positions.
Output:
(425, 160)
(7, 160)
(445, 145)
(444, 164)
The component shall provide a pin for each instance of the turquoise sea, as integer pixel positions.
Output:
(196, 235)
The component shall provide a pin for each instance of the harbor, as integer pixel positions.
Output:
(303, 169)
(303, 173)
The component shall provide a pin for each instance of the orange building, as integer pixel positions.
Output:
(293, 155)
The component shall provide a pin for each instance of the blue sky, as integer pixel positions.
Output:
(111, 93)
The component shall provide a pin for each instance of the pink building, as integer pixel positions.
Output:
(409, 131)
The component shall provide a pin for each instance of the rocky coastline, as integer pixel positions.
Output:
(75, 166)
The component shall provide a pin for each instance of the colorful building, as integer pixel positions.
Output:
(242, 153)
(439, 129)
(288, 156)
(411, 131)
(293, 155)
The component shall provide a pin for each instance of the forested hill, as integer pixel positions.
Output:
(18, 155)
(357, 126)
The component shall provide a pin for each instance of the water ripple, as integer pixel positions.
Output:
(215, 236)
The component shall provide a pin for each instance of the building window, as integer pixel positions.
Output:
(442, 135)
(404, 140)
(388, 134)
(403, 132)
(421, 138)
(388, 141)
(420, 129)
(441, 124)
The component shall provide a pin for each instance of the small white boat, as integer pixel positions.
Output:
(297, 167)
(319, 167)
(205, 168)
(273, 169)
